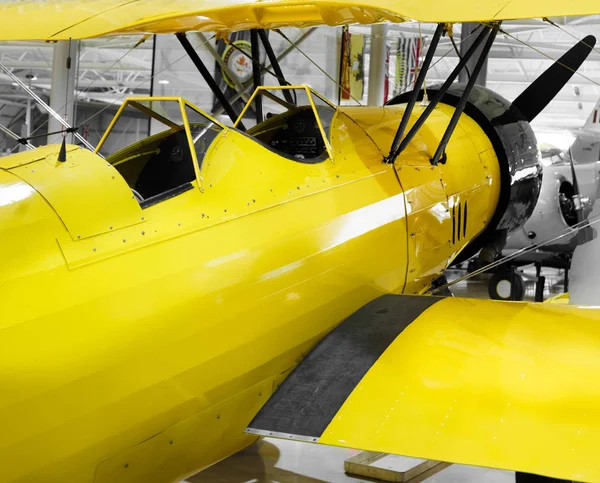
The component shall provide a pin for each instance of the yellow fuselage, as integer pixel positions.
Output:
(136, 345)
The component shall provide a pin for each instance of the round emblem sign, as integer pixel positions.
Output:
(238, 63)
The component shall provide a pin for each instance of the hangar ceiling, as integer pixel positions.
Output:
(111, 68)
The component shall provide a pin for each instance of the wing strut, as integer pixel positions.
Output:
(195, 58)
(416, 89)
(275, 64)
(440, 94)
(440, 154)
(256, 74)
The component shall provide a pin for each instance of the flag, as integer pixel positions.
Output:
(353, 71)
(386, 86)
(408, 56)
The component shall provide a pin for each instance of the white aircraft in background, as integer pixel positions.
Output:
(563, 203)
(586, 147)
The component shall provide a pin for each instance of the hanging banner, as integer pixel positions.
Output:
(408, 56)
(386, 86)
(353, 66)
(237, 56)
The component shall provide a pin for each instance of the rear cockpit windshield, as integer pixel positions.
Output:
(148, 144)
(296, 125)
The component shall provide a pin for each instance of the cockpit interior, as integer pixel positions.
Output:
(161, 166)
(298, 130)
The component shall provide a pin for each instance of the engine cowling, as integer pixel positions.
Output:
(517, 150)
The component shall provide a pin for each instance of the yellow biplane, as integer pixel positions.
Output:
(163, 306)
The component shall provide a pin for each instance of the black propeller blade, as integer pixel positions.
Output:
(539, 94)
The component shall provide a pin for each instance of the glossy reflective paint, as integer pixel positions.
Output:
(513, 154)
(496, 384)
(80, 186)
(60, 20)
(470, 176)
(141, 352)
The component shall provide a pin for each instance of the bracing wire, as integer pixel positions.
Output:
(115, 101)
(554, 24)
(86, 89)
(336, 82)
(262, 66)
(568, 232)
(504, 32)
(141, 84)
(571, 231)
(446, 54)
(460, 56)
(121, 97)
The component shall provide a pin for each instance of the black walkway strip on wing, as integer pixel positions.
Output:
(311, 396)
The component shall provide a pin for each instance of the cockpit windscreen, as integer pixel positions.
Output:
(291, 125)
(161, 163)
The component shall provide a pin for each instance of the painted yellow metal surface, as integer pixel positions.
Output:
(437, 232)
(87, 193)
(117, 348)
(60, 20)
(471, 377)
(110, 340)
(562, 299)
(20, 159)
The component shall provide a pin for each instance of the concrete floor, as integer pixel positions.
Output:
(279, 461)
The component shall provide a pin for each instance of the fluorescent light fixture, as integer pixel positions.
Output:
(163, 81)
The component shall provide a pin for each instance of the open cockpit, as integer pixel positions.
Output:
(166, 163)
(297, 122)
(169, 161)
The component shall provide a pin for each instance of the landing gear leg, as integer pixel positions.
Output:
(540, 283)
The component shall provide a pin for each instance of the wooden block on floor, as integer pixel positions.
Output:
(411, 470)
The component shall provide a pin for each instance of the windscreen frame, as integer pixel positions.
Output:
(264, 90)
(135, 102)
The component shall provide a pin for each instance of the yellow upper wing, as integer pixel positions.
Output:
(76, 19)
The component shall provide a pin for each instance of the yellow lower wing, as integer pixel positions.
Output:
(60, 20)
(505, 385)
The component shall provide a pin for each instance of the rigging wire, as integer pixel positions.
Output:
(574, 230)
(86, 89)
(336, 82)
(142, 83)
(120, 98)
(262, 66)
(460, 56)
(65, 107)
(280, 57)
(108, 106)
(504, 32)
(569, 231)
(410, 87)
(554, 24)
